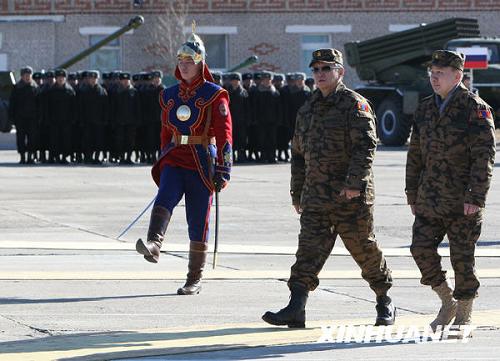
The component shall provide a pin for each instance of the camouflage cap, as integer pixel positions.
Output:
(327, 56)
(448, 58)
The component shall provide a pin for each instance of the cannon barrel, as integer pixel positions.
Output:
(247, 62)
(134, 23)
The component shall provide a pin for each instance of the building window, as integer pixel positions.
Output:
(108, 57)
(217, 50)
(309, 43)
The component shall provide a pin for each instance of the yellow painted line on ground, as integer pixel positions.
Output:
(171, 341)
(209, 274)
(228, 248)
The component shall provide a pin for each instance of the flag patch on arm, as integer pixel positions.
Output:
(363, 106)
(484, 114)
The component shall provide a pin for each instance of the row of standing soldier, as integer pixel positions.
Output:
(58, 121)
(60, 117)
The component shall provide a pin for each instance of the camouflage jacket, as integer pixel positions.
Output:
(451, 156)
(333, 148)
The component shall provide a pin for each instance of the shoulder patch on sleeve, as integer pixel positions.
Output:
(363, 106)
(223, 109)
(484, 114)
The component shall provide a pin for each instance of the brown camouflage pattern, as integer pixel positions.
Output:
(450, 159)
(450, 162)
(463, 233)
(446, 58)
(333, 148)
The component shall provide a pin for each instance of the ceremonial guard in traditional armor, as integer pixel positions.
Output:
(195, 160)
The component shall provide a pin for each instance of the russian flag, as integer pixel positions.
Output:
(475, 57)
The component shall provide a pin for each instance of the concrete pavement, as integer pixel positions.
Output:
(71, 290)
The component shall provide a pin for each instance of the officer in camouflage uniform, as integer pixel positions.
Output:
(332, 189)
(448, 174)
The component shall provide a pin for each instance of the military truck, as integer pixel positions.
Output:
(394, 68)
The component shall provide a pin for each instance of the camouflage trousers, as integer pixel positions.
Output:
(463, 233)
(319, 230)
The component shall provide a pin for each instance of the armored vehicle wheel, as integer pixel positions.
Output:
(393, 127)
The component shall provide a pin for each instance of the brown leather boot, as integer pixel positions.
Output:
(197, 259)
(160, 217)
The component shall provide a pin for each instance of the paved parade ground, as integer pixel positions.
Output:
(70, 290)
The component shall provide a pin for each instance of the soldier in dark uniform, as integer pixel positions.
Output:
(38, 78)
(298, 94)
(73, 80)
(267, 116)
(93, 109)
(112, 89)
(61, 116)
(240, 112)
(83, 78)
(23, 113)
(332, 189)
(43, 116)
(226, 80)
(254, 151)
(278, 81)
(105, 81)
(247, 81)
(283, 129)
(448, 173)
(142, 83)
(126, 114)
(311, 84)
(217, 76)
(77, 146)
(152, 116)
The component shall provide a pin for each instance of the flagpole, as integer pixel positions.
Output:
(471, 80)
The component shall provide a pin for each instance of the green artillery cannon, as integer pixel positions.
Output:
(395, 70)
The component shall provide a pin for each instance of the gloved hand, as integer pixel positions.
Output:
(218, 182)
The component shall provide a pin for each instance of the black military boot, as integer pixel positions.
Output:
(43, 158)
(294, 314)
(31, 158)
(386, 312)
(23, 158)
(160, 217)
(197, 259)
